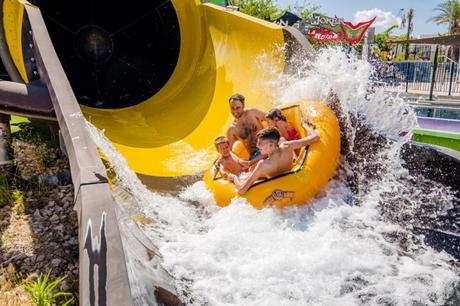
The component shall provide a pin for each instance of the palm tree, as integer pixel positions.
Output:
(449, 13)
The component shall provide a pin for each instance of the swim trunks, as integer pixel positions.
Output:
(293, 135)
(254, 155)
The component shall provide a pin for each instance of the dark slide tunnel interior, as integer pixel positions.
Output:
(115, 54)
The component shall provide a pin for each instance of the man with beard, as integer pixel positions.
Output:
(248, 122)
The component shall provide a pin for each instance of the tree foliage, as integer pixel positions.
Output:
(448, 13)
(303, 9)
(268, 9)
(382, 39)
(263, 9)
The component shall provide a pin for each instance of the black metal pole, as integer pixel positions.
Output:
(407, 76)
(433, 75)
(452, 65)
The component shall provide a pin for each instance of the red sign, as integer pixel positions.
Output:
(324, 35)
(354, 33)
(326, 29)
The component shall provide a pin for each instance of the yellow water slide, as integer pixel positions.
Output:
(171, 133)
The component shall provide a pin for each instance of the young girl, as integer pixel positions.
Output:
(276, 119)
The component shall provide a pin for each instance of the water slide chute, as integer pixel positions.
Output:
(156, 76)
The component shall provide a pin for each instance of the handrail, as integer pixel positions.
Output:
(103, 277)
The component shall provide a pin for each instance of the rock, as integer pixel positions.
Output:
(3, 281)
(52, 180)
(32, 277)
(54, 218)
(65, 286)
(64, 177)
(39, 258)
(59, 228)
(11, 268)
(45, 213)
(37, 214)
(51, 203)
(55, 262)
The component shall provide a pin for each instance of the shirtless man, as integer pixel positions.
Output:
(245, 127)
(228, 164)
(280, 155)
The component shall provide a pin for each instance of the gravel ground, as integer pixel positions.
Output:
(38, 227)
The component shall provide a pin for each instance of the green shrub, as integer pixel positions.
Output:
(42, 291)
(19, 203)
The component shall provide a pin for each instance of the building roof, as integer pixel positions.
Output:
(451, 40)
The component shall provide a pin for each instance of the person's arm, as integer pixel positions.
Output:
(249, 165)
(307, 125)
(221, 169)
(231, 136)
(225, 174)
(215, 168)
(245, 164)
(242, 187)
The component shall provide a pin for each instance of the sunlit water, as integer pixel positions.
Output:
(348, 246)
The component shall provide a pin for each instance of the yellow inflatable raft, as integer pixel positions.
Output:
(311, 171)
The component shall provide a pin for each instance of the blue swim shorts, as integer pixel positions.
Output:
(254, 155)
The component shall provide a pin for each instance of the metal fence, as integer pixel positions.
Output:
(417, 76)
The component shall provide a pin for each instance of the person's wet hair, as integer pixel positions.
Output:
(269, 133)
(238, 97)
(220, 140)
(275, 113)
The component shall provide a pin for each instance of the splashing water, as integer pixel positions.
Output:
(352, 245)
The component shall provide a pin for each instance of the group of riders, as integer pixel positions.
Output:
(272, 149)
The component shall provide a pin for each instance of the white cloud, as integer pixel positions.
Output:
(384, 19)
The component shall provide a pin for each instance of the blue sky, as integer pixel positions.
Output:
(386, 10)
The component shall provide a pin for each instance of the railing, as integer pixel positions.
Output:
(437, 112)
(103, 276)
(417, 76)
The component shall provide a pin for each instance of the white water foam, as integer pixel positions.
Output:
(327, 253)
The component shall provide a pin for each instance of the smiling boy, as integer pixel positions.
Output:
(280, 155)
(228, 164)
